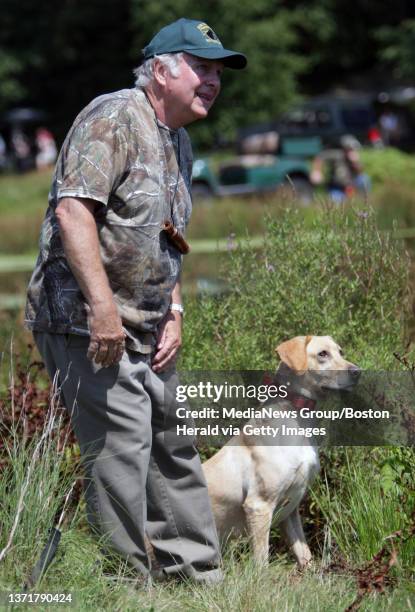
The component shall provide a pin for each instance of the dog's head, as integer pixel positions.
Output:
(318, 363)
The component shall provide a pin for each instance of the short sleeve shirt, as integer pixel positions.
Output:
(139, 171)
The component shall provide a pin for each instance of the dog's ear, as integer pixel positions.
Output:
(293, 353)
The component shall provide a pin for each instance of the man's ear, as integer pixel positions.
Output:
(160, 72)
(293, 353)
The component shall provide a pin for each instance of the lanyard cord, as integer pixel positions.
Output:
(158, 127)
(178, 174)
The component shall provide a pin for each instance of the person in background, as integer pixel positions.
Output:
(390, 127)
(46, 148)
(341, 170)
(21, 150)
(3, 153)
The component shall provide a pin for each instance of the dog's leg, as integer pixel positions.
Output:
(258, 515)
(293, 532)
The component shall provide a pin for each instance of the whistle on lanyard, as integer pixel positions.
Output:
(176, 238)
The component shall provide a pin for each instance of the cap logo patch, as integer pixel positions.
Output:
(208, 34)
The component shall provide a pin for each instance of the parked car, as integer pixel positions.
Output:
(256, 173)
(330, 117)
(326, 117)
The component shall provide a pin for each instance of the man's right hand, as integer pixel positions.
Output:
(107, 342)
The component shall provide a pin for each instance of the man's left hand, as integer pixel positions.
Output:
(169, 340)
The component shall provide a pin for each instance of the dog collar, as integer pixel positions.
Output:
(297, 400)
(301, 401)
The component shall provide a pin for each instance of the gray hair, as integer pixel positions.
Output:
(145, 72)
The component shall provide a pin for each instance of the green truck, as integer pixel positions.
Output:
(255, 173)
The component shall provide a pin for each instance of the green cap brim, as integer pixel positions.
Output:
(229, 58)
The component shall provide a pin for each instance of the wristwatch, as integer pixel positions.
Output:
(177, 307)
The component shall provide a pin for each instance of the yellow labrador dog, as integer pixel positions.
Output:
(249, 482)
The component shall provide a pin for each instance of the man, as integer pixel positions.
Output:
(105, 307)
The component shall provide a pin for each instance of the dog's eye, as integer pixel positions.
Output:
(323, 354)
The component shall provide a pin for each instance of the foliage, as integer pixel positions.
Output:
(385, 496)
(60, 60)
(32, 492)
(342, 39)
(332, 274)
(398, 48)
(389, 165)
(10, 87)
(336, 275)
(397, 468)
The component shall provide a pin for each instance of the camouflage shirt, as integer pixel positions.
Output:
(120, 155)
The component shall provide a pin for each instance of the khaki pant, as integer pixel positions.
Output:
(138, 480)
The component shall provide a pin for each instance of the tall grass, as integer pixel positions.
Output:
(364, 512)
(36, 477)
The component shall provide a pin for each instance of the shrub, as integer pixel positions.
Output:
(385, 494)
(389, 164)
(338, 276)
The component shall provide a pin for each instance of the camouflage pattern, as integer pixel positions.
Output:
(120, 155)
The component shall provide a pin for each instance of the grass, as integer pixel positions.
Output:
(361, 512)
(33, 489)
(22, 208)
(24, 194)
(77, 568)
(363, 515)
(36, 477)
(245, 588)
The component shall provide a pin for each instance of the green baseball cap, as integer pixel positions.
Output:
(193, 37)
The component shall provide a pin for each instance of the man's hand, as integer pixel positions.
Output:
(107, 343)
(169, 340)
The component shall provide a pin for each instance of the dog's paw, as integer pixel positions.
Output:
(305, 560)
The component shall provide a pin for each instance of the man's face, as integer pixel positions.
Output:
(194, 91)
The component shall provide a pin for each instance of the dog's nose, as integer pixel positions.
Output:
(355, 371)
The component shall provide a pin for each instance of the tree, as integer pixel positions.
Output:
(11, 88)
(59, 59)
(398, 49)
(342, 39)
